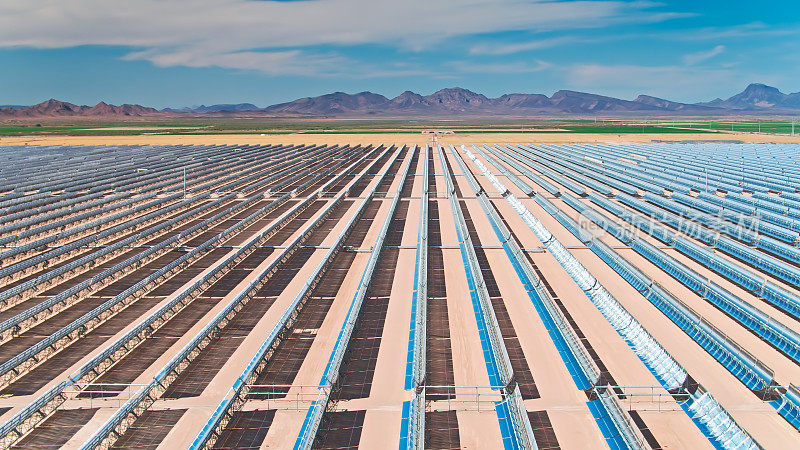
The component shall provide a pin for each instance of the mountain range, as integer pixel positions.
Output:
(56, 108)
(453, 102)
(215, 108)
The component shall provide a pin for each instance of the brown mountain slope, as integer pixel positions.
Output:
(56, 108)
(451, 102)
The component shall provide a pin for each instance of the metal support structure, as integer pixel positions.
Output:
(37, 354)
(709, 415)
(125, 416)
(412, 427)
(753, 373)
(31, 287)
(122, 346)
(515, 426)
(330, 377)
(582, 367)
(234, 399)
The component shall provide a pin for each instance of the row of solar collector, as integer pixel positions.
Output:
(776, 267)
(740, 172)
(750, 281)
(655, 182)
(514, 425)
(773, 266)
(751, 317)
(55, 396)
(13, 323)
(169, 184)
(710, 417)
(135, 179)
(27, 174)
(758, 184)
(330, 376)
(45, 175)
(412, 422)
(113, 178)
(613, 422)
(684, 178)
(43, 201)
(316, 411)
(759, 376)
(744, 366)
(59, 176)
(203, 183)
(750, 228)
(781, 298)
(783, 337)
(749, 370)
(699, 213)
(747, 165)
(46, 179)
(21, 162)
(765, 326)
(8, 370)
(628, 182)
(114, 424)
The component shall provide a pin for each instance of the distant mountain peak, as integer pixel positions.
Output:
(331, 104)
(523, 101)
(218, 108)
(57, 108)
(410, 99)
(667, 105)
(761, 87)
(450, 101)
(457, 97)
(758, 96)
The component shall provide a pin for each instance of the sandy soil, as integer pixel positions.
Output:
(391, 138)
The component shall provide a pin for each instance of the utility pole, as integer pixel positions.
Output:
(184, 182)
(792, 126)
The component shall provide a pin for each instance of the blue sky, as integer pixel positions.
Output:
(188, 52)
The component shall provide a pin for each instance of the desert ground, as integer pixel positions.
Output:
(399, 138)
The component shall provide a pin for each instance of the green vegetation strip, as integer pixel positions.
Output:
(271, 126)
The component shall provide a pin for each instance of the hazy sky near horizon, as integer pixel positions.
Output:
(188, 52)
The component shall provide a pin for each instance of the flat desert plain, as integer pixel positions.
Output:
(397, 138)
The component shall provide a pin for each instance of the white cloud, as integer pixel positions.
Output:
(288, 62)
(506, 49)
(695, 58)
(275, 36)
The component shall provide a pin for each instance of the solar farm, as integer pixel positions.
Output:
(400, 296)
